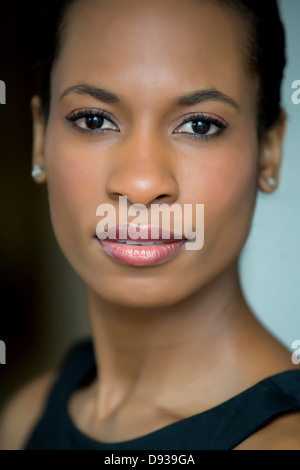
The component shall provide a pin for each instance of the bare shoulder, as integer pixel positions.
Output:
(283, 433)
(23, 410)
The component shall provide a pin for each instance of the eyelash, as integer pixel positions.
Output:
(88, 113)
(199, 117)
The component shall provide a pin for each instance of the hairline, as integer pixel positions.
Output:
(250, 45)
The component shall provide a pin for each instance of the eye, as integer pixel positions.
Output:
(201, 126)
(92, 121)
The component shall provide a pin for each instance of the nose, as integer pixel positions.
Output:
(144, 171)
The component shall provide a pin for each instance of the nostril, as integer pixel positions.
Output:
(162, 196)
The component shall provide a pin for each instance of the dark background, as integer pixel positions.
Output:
(32, 317)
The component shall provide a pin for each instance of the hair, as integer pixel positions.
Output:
(265, 48)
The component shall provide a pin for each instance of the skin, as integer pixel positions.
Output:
(178, 338)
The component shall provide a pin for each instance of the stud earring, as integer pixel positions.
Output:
(37, 170)
(271, 181)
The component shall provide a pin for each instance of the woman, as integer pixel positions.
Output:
(161, 103)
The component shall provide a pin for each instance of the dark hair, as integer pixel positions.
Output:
(266, 49)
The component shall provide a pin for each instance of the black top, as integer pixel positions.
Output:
(222, 427)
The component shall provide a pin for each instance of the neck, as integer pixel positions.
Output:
(150, 352)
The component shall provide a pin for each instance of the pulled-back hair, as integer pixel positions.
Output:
(266, 50)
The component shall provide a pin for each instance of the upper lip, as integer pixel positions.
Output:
(144, 233)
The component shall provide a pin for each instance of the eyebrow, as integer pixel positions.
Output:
(210, 94)
(188, 99)
(96, 92)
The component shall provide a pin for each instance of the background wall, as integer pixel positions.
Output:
(41, 300)
(270, 263)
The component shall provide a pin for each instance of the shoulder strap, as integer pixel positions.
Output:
(77, 368)
(230, 423)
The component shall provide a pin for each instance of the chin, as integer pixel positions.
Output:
(148, 297)
(143, 301)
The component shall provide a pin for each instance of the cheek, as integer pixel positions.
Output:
(232, 195)
(231, 186)
(227, 186)
(73, 193)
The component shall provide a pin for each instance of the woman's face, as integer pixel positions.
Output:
(149, 147)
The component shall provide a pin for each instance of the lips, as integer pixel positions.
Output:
(140, 246)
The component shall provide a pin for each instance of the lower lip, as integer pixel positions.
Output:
(141, 255)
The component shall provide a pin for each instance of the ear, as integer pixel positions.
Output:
(38, 160)
(270, 155)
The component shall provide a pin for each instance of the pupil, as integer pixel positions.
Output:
(94, 122)
(201, 127)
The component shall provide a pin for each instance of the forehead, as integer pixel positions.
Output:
(156, 43)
